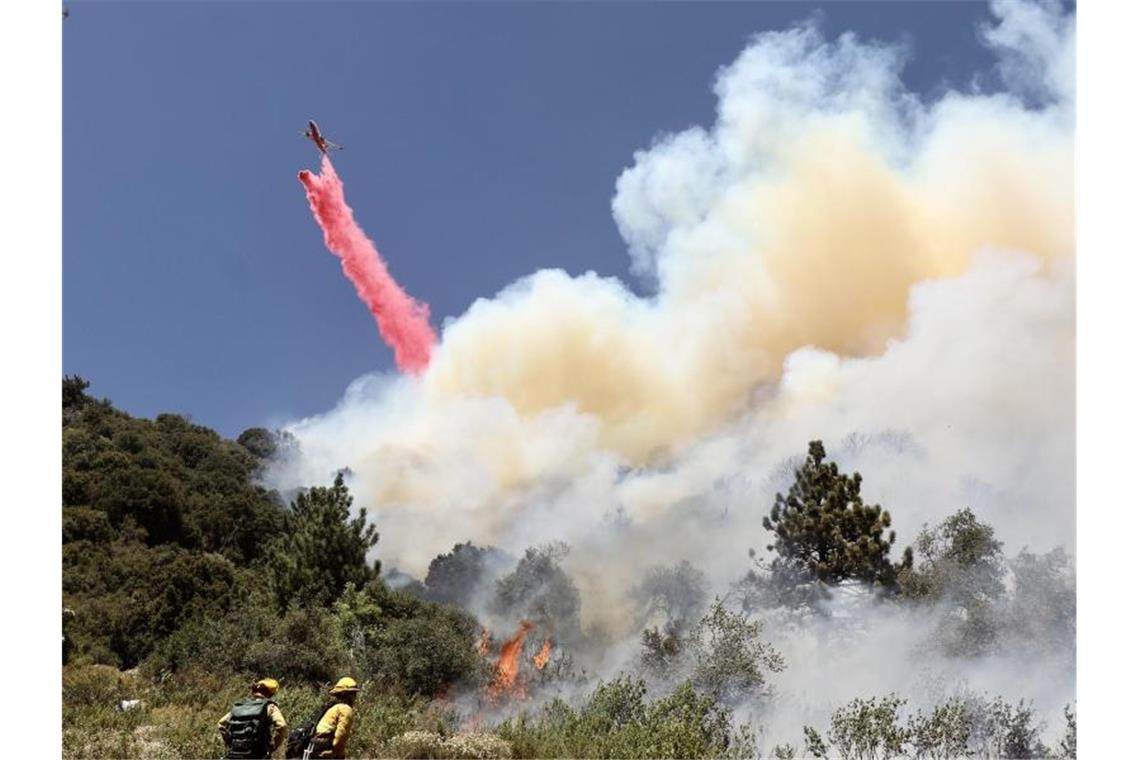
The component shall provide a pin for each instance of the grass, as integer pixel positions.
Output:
(177, 716)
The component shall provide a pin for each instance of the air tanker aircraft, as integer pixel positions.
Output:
(314, 133)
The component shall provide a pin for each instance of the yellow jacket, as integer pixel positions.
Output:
(334, 725)
(275, 717)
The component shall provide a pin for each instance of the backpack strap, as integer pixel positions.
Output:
(319, 716)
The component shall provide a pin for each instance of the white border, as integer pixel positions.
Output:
(1108, 205)
(30, 312)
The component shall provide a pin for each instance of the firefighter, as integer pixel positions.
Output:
(331, 733)
(255, 727)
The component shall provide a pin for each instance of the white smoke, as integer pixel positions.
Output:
(834, 259)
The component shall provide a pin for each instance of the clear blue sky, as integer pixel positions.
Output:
(482, 142)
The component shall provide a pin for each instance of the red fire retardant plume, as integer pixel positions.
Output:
(403, 321)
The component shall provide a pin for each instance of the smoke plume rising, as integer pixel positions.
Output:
(403, 322)
(836, 258)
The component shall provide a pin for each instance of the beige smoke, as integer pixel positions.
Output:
(787, 244)
(803, 218)
(834, 259)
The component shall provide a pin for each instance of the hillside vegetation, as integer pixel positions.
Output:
(183, 581)
(180, 575)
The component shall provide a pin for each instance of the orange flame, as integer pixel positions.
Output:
(507, 670)
(543, 655)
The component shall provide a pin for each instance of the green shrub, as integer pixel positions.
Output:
(415, 744)
(616, 722)
(127, 597)
(945, 732)
(963, 726)
(418, 647)
(868, 728)
(84, 524)
(424, 655)
(476, 746)
(301, 645)
(730, 657)
(427, 745)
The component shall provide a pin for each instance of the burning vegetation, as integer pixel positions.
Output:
(510, 680)
(543, 655)
(726, 655)
(505, 682)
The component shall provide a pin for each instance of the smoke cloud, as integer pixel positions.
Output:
(403, 322)
(836, 258)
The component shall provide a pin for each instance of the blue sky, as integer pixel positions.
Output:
(482, 142)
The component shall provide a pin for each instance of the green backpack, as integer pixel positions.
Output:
(249, 728)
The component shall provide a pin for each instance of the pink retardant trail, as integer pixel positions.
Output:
(403, 321)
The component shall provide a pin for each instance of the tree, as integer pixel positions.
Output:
(723, 653)
(677, 593)
(323, 548)
(1068, 745)
(541, 591)
(824, 530)
(868, 728)
(126, 596)
(1010, 731)
(960, 562)
(455, 577)
(153, 499)
(74, 392)
(730, 658)
(298, 644)
(181, 483)
(259, 442)
(959, 558)
(426, 654)
(659, 651)
(688, 723)
(944, 734)
(1042, 610)
(416, 646)
(268, 445)
(83, 524)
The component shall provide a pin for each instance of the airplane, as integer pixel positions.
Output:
(314, 133)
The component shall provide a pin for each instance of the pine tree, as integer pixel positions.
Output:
(824, 530)
(323, 548)
(74, 391)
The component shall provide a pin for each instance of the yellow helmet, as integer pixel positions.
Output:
(267, 686)
(344, 686)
